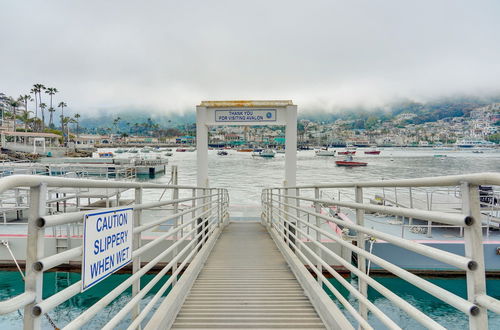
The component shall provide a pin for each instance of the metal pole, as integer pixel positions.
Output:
(175, 196)
(410, 220)
(34, 252)
(193, 204)
(360, 220)
(298, 224)
(473, 237)
(317, 209)
(136, 243)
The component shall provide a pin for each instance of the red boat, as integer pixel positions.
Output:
(181, 150)
(347, 153)
(372, 152)
(349, 162)
(346, 163)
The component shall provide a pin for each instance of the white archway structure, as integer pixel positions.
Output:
(247, 113)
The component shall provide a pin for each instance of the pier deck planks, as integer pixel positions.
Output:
(246, 284)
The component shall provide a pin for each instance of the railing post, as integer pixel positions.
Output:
(175, 195)
(206, 191)
(473, 237)
(270, 201)
(317, 209)
(193, 214)
(298, 223)
(136, 243)
(410, 220)
(219, 207)
(33, 280)
(360, 220)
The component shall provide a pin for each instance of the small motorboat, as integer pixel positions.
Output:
(108, 154)
(372, 151)
(222, 153)
(325, 152)
(180, 150)
(245, 150)
(347, 152)
(349, 162)
(268, 153)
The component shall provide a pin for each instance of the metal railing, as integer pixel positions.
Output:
(192, 228)
(294, 215)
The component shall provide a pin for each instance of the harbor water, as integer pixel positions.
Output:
(245, 176)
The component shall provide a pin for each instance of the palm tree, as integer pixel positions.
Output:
(62, 105)
(42, 108)
(14, 104)
(25, 99)
(51, 91)
(51, 122)
(25, 118)
(38, 88)
(115, 123)
(77, 118)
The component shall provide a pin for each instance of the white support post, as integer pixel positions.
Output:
(33, 280)
(201, 147)
(291, 145)
(473, 237)
(360, 220)
(136, 243)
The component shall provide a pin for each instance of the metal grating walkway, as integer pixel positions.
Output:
(246, 284)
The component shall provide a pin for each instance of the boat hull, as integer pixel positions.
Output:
(350, 164)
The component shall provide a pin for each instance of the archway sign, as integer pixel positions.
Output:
(247, 113)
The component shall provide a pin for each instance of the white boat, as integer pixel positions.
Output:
(325, 152)
(471, 143)
(267, 153)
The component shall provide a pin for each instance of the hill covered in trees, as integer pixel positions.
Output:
(142, 121)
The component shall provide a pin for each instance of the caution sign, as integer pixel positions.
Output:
(107, 244)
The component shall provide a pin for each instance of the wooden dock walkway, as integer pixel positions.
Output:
(246, 284)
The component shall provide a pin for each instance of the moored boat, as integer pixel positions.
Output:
(325, 152)
(107, 154)
(349, 162)
(268, 153)
(222, 153)
(347, 152)
(372, 151)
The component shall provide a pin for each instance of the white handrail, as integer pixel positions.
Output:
(299, 227)
(208, 212)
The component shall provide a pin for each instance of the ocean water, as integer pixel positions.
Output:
(245, 176)
(447, 316)
(11, 284)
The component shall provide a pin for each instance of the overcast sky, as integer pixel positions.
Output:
(170, 55)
